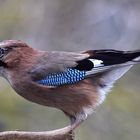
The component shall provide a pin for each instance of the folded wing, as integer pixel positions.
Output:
(59, 68)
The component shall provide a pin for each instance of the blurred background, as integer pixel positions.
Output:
(75, 25)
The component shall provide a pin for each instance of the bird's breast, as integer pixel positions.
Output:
(74, 97)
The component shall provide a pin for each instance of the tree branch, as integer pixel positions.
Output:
(59, 134)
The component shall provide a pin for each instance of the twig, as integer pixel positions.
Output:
(59, 134)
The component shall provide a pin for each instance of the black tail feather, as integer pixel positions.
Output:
(112, 57)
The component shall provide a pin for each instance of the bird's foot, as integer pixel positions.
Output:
(71, 135)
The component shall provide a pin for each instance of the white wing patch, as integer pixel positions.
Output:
(96, 62)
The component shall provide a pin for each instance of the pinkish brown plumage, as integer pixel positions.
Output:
(24, 66)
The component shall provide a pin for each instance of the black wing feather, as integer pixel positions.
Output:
(109, 57)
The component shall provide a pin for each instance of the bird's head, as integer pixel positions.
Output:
(12, 53)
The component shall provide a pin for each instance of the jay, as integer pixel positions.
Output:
(74, 82)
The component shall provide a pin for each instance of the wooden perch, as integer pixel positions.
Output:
(59, 134)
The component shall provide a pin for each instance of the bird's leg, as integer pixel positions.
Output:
(77, 120)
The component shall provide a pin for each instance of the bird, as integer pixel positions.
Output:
(74, 82)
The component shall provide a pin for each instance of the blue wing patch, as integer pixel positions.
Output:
(70, 76)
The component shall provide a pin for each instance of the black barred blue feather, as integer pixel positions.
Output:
(70, 76)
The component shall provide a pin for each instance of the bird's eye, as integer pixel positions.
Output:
(2, 52)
